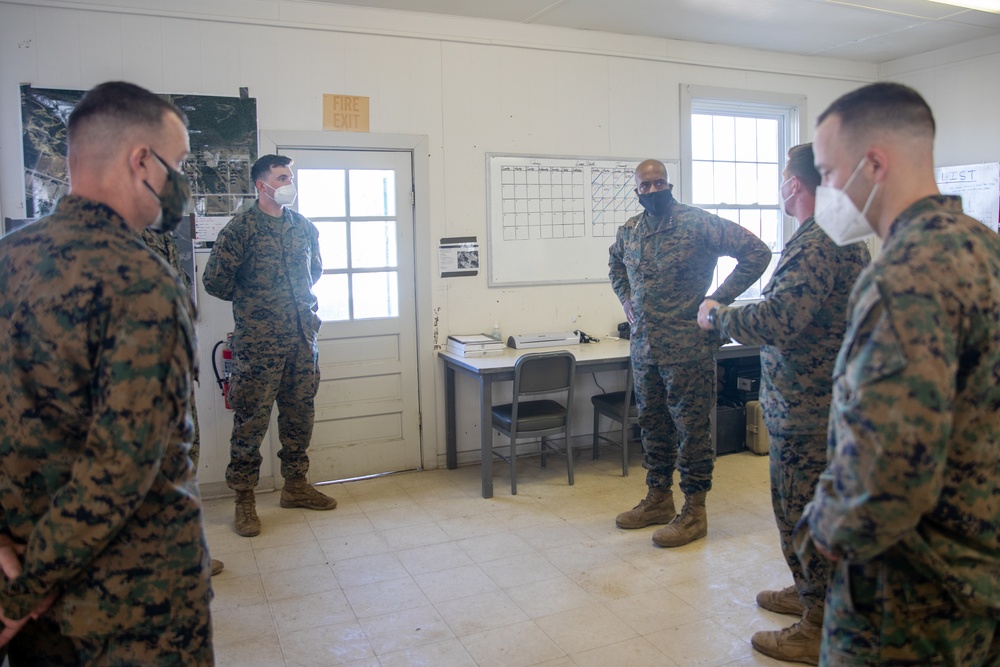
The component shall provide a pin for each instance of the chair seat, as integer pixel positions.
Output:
(531, 415)
(612, 404)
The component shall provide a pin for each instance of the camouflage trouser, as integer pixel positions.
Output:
(258, 380)
(186, 643)
(883, 612)
(675, 405)
(796, 463)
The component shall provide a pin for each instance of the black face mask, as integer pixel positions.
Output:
(657, 203)
(174, 201)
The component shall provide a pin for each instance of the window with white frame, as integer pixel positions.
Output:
(734, 145)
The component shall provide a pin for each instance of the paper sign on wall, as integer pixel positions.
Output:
(979, 187)
(345, 113)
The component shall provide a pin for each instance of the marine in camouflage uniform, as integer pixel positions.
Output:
(908, 507)
(266, 265)
(799, 324)
(165, 246)
(661, 266)
(97, 348)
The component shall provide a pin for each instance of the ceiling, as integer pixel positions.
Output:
(865, 30)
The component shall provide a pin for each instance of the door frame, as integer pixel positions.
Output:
(418, 147)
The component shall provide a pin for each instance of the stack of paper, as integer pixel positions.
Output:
(475, 345)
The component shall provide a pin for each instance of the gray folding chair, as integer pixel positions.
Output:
(528, 417)
(620, 407)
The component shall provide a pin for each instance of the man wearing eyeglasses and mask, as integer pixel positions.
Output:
(266, 261)
(799, 324)
(102, 545)
(908, 510)
(661, 266)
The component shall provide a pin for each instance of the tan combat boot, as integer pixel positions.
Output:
(785, 601)
(298, 493)
(656, 507)
(247, 523)
(688, 526)
(799, 642)
(217, 566)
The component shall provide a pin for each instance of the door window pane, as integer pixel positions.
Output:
(333, 243)
(373, 244)
(321, 193)
(331, 290)
(376, 295)
(373, 192)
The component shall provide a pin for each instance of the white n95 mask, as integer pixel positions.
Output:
(285, 195)
(837, 215)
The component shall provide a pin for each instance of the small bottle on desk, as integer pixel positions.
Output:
(496, 331)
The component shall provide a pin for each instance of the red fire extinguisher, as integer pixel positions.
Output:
(227, 367)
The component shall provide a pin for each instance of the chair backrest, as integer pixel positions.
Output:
(544, 372)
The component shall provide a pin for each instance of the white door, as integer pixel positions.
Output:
(367, 414)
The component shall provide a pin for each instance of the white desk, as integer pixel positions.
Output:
(607, 355)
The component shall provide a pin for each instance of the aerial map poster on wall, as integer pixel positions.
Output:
(223, 134)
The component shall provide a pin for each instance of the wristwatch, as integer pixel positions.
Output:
(711, 316)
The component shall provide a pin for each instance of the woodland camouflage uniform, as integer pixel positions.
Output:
(267, 266)
(165, 246)
(665, 266)
(97, 351)
(799, 325)
(909, 503)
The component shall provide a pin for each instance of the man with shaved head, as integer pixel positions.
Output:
(102, 546)
(661, 267)
(908, 508)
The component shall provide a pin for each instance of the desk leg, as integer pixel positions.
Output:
(486, 432)
(450, 425)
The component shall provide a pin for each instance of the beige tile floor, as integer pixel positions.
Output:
(418, 569)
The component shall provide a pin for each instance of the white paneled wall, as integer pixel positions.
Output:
(470, 87)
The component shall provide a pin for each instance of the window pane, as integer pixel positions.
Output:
(746, 139)
(701, 137)
(768, 181)
(746, 184)
(321, 193)
(376, 295)
(373, 244)
(702, 188)
(725, 183)
(767, 139)
(373, 192)
(723, 134)
(770, 229)
(333, 243)
(750, 220)
(331, 290)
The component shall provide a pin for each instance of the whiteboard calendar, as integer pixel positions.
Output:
(552, 219)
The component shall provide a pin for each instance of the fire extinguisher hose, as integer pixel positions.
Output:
(215, 369)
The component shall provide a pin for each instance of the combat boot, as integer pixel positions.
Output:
(785, 601)
(656, 507)
(298, 493)
(217, 566)
(247, 523)
(688, 526)
(799, 642)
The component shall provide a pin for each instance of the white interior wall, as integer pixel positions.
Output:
(470, 87)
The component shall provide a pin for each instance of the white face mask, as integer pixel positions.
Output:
(837, 215)
(285, 195)
(784, 200)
